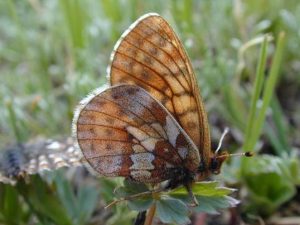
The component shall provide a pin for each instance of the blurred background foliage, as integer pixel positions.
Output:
(53, 53)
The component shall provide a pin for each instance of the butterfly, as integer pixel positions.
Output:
(150, 126)
(19, 160)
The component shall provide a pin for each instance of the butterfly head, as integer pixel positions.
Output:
(216, 162)
(218, 157)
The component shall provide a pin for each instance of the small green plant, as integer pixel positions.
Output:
(173, 206)
(268, 179)
(271, 180)
(52, 202)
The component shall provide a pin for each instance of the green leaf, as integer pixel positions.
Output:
(107, 188)
(294, 166)
(9, 202)
(270, 183)
(210, 196)
(212, 205)
(278, 130)
(86, 200)
(66, 194)
(204, 189)
(140, 204)
(171, 210)
(43, 201)
(80, 207)
(132, 188)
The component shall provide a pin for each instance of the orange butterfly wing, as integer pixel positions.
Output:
(123, 131)
(150, 55)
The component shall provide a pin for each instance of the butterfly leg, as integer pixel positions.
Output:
(194, 202)
(185, 178)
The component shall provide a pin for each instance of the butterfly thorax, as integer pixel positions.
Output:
(180, 176)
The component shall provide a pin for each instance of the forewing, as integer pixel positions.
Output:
(36, 156)
(123, 131)
(150, 55)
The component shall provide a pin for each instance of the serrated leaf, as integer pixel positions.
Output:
(266, 164)
(131, 188)
(140, 204)
(270, 183)
(171, 210)
(212, 205)
(204, 189)
(211, 198)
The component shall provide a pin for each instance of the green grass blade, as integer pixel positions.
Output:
(13, 121)
(278, 132)
(75, 17)
(241, 53)
(268, 91)
(257, 90)
(280, 123)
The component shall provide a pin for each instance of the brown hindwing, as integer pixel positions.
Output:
(123, 131)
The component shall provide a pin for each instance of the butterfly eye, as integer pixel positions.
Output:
(214, 166)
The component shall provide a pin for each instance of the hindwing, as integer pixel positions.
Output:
(123, 131)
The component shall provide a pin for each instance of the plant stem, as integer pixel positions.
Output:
(150, 215)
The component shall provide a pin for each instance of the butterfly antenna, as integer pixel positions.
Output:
(221, 140)
(247, 154)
